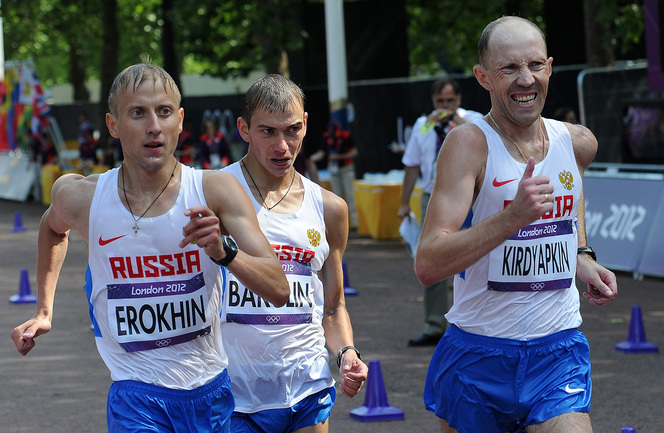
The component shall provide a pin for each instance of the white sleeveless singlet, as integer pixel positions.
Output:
(277, 356)
(155, 305)
(525, 288)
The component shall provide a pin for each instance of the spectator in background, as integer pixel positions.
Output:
(42, 152)
(185, 151)
(87, 144)
(213, 151)
(304, 164)
(419, 159)
(340, 150)
(565, 114)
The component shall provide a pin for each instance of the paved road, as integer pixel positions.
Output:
(61, 386)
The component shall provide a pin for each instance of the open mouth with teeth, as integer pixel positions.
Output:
(525, 100)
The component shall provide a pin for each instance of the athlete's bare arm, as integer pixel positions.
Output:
(601, 283)
(336, 322)
(70, 206)
(444, 249)
(231, 212)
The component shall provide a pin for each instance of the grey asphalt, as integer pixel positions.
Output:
(61, 386)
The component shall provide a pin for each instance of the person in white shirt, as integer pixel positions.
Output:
(419, 160)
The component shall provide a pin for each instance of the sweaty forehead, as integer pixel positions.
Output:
(282, 118)
(515, 42)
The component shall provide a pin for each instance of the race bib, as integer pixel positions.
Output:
(244, 306)
(146, 316)
(538, 257)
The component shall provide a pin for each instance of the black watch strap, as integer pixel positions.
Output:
(587, 250)
(230, 248)
(343, 350)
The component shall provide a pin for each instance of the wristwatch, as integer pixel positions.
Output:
(230, 248)
(343, 350)
(587, 250)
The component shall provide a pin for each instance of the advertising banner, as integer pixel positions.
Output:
(620, 216)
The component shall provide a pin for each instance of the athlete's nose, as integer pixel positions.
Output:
(154, 127)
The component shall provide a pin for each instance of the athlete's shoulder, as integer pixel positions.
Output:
(584, 142)
(335, 207)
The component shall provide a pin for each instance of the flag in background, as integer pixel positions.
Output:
(23, 107)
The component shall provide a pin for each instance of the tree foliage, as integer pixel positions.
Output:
(234, 37)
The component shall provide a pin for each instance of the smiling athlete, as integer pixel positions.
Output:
(512, 356)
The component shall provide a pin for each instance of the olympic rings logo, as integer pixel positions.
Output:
(272, 319)
(163, 343)
(537, 286)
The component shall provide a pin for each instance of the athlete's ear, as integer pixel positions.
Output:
(243, 129)
(112, 125)
(481, 75)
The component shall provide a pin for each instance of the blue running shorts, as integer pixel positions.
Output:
(309, 411)
(494, 385)
(137, 407)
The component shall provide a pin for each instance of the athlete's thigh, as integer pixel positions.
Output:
(321, 427)
(445, 428)
(573, 422)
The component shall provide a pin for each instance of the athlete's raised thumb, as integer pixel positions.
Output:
(530, 167)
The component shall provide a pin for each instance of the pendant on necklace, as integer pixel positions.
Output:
(136, 227)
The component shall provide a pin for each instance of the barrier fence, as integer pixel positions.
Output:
(624, 216)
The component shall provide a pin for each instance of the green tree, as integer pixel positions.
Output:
(73, 41)
(45, 31)
(443, 34)
(233, 38)
(612, 27)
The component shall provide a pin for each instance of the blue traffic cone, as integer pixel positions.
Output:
(628, 430)
(376, 407)
(23, 296)
(636, 340)
(18, 225)
(348, 291)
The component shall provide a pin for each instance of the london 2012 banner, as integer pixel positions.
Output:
(23, 108)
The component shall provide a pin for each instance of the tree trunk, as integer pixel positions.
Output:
(109, 69)
(77, 73)
(168, 51)
(598, 52)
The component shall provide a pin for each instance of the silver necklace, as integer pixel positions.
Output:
(514, 142)
(259, 191)
(124, 191)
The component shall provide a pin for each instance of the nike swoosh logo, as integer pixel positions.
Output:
(572, 390)
(504, 182)
(103, 242)
(323, 399)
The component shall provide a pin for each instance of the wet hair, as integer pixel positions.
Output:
(440, 84)
(483, 43)
(134, 76)
(273, 93)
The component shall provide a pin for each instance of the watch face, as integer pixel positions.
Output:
(229, 243)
